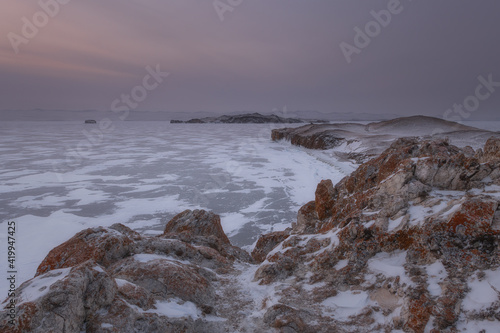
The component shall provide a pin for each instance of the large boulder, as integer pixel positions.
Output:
(61, 300)
(203, 228)
(325, 199)
(115, 280)
(197, 223)
(491, 151)
(165, 278)
(200, 255)
(103, 245)
(474, 217)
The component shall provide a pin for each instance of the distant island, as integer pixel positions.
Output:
(247, 118)
(90, 121)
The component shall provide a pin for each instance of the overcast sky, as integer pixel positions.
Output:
(256, 56)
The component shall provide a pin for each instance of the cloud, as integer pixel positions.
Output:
(263, 56)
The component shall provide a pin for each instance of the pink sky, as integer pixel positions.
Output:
(264, 55)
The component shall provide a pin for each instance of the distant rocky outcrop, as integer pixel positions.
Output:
(362, 142)
(409, 242)
(247, 118)
(90, 121)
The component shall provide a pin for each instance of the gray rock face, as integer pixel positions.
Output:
(204, 229)
(197, 223)
(61, 300)
(287, 319)
(165, 278)
(307, 219)
(267, 243)
(491, 151)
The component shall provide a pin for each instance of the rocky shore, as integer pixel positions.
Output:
(360, 142)
(409, 242)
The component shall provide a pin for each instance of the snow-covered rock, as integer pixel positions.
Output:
(394, 245)
(114, 280)
(354, 141)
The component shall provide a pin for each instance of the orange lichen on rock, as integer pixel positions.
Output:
(197, 223)
(25, 313)
(420, 309)
(474, 216)
(325, 198)
(100, 244)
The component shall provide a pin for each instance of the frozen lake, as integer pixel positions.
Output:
(141, 174)
(58, 178)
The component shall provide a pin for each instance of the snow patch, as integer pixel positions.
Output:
(393, 224)
(145, 258)
(341, 264)
(436, 274)
(483, 293)
(175, 308)
(40, 285)
(346, 303)
(390, 265)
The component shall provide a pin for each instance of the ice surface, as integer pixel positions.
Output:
(144, 173)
